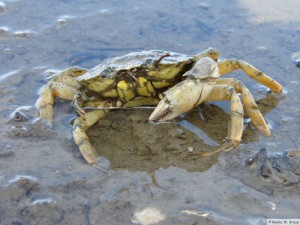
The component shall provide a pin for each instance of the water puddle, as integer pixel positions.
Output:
(148, 174)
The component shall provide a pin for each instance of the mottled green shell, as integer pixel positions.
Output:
(135, 75)
(144, 61)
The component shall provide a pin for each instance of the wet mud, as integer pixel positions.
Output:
(151, 172)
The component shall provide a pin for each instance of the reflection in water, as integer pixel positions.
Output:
(196, 130)
(268, 103)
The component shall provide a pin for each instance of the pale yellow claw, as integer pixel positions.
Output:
(189, 93)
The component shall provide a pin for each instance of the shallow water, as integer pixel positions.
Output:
(44, 179)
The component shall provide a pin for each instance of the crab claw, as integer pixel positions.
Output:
(180, 99)
(189, 93)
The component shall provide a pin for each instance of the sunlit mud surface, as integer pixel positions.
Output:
(155, 174)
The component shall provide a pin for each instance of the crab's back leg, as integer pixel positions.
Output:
(235, 131)
(210, 52)
(229, 65)
(248, 103)
(63, 85)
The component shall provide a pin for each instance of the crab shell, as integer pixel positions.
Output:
(135, 75)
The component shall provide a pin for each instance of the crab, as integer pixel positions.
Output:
(174, 82)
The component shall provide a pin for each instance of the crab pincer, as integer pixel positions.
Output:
(189, 93)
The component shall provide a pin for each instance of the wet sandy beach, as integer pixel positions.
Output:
(43, 177)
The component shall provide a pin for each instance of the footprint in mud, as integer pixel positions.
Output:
(282, 168)
(25, 123)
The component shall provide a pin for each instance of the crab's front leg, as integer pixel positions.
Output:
(62, 85)
(189, 93)
(235, 131)
(80, 126)
(248, 101)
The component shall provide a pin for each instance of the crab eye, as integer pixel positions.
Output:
(133, 70)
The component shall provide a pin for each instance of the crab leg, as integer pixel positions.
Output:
(81, 124)
(210, 52)
(85, 121)
(229, 65)
(235, 131)
(248, 103)
(62, 85)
